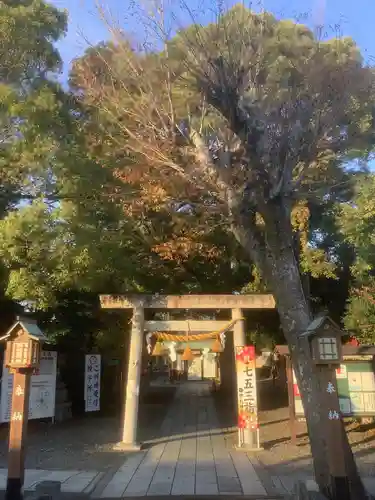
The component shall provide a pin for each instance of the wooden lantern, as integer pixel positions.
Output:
(325, 339)
(23, 344)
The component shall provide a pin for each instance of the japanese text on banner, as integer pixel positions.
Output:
(92, 382)
(246, 386)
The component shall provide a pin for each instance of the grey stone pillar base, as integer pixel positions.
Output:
(121, 446)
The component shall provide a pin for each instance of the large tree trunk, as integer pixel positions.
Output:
(281, 270)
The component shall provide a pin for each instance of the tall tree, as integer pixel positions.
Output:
(27, 54)
(57, 232)
(244, 117)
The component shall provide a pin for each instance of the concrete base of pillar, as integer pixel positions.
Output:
(121, 446)
(247, 449)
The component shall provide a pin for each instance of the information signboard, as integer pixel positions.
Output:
(42, 389)
(92, 382)
(355, 386)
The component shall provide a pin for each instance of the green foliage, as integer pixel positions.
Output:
(27, 53)
(357, 223)
(360, 313)
(64, 235)
(36, 249)
(28, 31)
(99, 212)
(256, 285)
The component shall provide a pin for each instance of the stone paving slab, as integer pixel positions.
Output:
(118, 484)
(72, 481)
(226, 496)
(284, 484)
(192, 457)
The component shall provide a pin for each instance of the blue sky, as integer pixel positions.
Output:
(353, 18)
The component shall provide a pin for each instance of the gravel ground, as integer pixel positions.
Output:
(280, 457)
(86, 443)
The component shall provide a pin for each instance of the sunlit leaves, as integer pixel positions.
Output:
(357, 223)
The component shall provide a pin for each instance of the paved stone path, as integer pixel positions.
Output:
(73, 481)
(193, 458)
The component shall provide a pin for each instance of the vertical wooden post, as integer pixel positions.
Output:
(17, 434)
(340, 488)
(291, 402)
(130, 420)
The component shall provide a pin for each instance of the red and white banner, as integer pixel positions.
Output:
(246, 388)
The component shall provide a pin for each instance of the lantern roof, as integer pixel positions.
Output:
(29, 326)
(318, 323)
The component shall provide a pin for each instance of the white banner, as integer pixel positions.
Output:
(92, 382)
(42, 390)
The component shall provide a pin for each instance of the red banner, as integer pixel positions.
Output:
(246, 387)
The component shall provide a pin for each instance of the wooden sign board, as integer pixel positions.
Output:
(42, 391)
(356, 389)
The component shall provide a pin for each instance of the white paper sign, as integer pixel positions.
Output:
(368, 381)
(357, 403)
(354, 381)
(369, 402)
(345, 407)
(92, 382)
(42, 389)
(341, 372)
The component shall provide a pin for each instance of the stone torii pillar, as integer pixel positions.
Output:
(132, 387)
(239, 339)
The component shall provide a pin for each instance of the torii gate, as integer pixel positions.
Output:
(138, 303)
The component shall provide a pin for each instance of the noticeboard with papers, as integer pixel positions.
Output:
(355, 385)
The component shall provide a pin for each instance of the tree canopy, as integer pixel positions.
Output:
(112, 171)
(152, 106)
(248, 121)
(216, 160)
